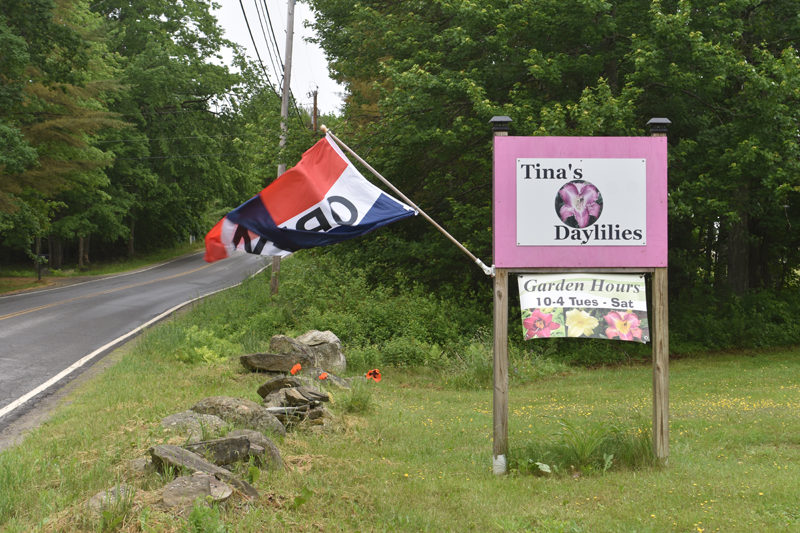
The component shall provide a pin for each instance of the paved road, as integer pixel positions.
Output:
(43, 334)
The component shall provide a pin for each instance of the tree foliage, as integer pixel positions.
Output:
(425, 78)
(122, 126)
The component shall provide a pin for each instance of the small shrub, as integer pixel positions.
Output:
(587, 448)
(205, 519)
(472, 367)
(114, 515)
(359, 399)
(203, 346)
(362, 358)
(406, 351)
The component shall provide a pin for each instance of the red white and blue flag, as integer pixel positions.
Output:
(322, 200)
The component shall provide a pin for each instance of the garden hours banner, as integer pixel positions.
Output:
(600, 306)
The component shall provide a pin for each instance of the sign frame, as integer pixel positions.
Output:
(651, 258)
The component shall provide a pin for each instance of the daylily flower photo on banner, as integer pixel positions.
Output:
(599, 306)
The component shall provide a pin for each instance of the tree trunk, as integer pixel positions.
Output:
(55, 250)
(739, 255)
(130, 241)
(86, 250)
(38, 258)
(80, 253)
(58, 253)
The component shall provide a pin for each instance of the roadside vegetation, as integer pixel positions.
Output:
(23, 277)
(413, 452)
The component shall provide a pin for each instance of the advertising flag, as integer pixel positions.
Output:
(322, 200)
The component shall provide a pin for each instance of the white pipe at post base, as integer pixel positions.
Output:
(499, 465)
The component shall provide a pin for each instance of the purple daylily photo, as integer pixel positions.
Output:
(581, 200)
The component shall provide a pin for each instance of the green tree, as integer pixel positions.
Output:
(54, 82)
(425, 78)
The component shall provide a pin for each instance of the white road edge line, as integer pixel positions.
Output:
(85, 359)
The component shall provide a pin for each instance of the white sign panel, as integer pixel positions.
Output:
(581, 202)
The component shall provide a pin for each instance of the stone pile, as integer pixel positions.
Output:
(292, 396)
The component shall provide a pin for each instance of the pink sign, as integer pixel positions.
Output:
(580, 202)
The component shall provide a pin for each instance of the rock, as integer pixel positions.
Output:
(276, 399)
(167, 455)
(183, 491)
(313, 394)
(331, 380)
(314, 349)
(316, 412)
(272, 455)
(318, 349)
(109, 498)
(141, 464)
(289, 415)
(279, 383)
(240, 412)
(285, 345)
(223, 451)
(318, 419)
(326, 349)
(269, 362)
(194, 425)
(304, 396)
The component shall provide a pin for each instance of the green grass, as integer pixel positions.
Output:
(420, 458)
(413, 452)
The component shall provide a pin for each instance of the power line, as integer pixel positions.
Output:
(266, 75)
(272, 33)
(272, 55)
(146, 139)
(179, 156)
(255, 48)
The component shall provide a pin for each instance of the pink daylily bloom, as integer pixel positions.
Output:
(580, 201)
(539, 325)
(623, 325)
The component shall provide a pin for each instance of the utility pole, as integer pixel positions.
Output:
(314, 114)
(287, 76)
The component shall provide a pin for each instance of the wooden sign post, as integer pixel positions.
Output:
(627, 233)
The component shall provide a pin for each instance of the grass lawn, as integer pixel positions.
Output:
(420, 460)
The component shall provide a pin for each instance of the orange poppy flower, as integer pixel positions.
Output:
(324, 375)
(295, 369)
(374, 374)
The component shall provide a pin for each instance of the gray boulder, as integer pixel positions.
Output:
(240, 412)
(283, 382)
(196, 426)
(305, 396)
(326, 349)
(167, 456)
(110, 498)
(222, 451)
(314, 349)
(182, 492)
(271, 363)
(272, 456)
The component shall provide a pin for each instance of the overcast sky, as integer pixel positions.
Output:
(309, 68)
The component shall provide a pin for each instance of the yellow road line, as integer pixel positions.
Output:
(101, 293)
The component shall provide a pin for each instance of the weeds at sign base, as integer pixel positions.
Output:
(587, 448)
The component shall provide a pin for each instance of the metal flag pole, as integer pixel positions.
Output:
(489, 271)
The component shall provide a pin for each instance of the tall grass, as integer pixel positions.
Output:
(580, 447)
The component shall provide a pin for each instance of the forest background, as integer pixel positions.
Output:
(123, 132)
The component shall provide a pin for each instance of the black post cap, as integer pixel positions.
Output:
(500, 123)
(658, 125)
